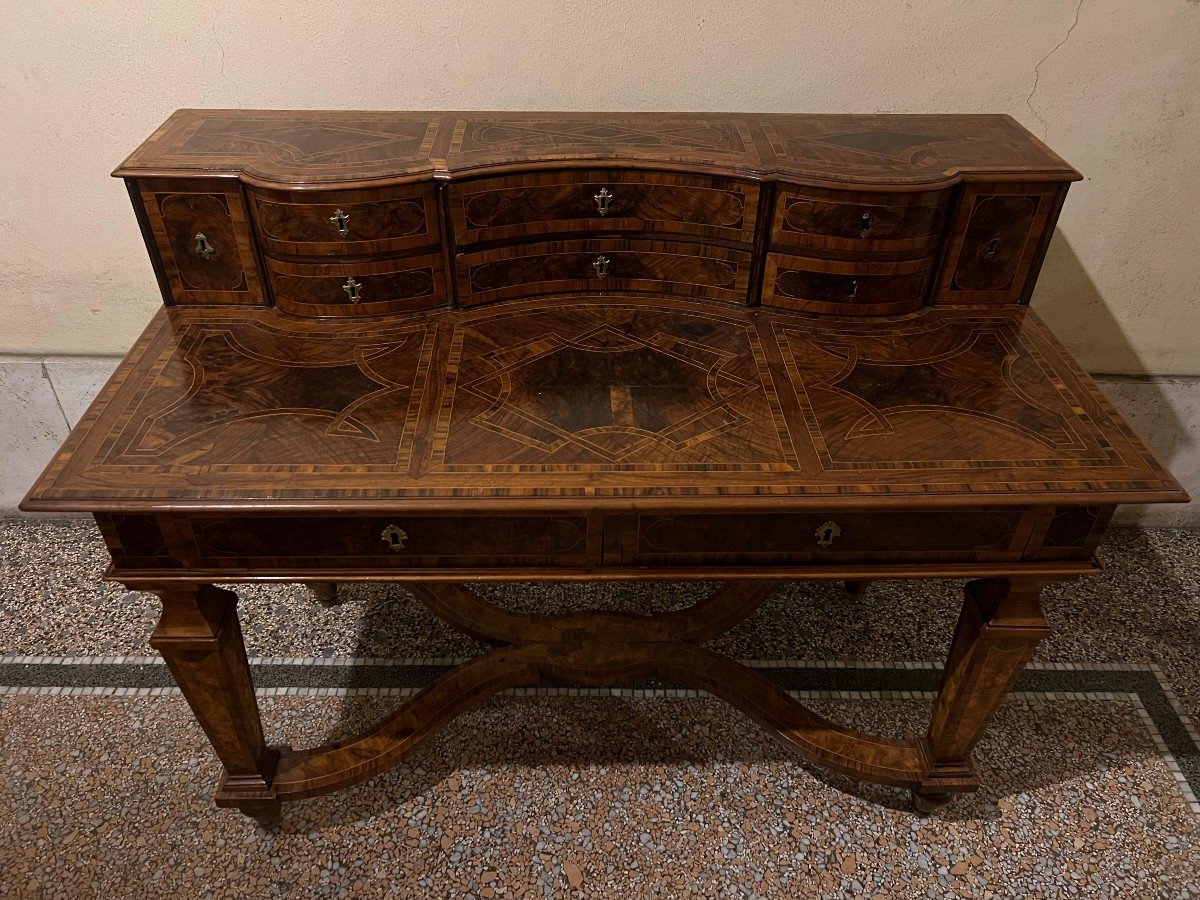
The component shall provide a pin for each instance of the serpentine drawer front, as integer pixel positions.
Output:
(523, 206)
(436, 348)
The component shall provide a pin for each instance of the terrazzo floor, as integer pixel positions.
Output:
(1089, 772)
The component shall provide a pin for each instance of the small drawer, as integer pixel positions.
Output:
(387, 542)
(367, 288)
(826, 537)
(865, 222)
(345, 223)
(203, 238)
(845, 288)
(1001, 232)
(602, 266)
(520, 206)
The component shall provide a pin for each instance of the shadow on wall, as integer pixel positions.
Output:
(1158, 409)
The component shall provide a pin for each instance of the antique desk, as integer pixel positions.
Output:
(435, 348)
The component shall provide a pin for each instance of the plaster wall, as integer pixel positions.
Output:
(1113, 86)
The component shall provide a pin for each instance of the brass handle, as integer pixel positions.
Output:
(394, 536)
(341, 221)
(853, 292)
(203, 247)
(353, 289)
(864, 225)
(601, 266)
(826, 533)
(602, 200)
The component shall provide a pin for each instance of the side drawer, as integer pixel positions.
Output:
(845, 288)
(358, 289)
(392, 542)
(998, 242)
(757, 539)
(602, 266)
(865, 222)
(518, 206)
(203, 238)
(344, 223)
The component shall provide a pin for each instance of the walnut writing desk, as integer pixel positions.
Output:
(434, 348)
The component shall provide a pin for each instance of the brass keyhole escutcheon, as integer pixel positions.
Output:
(394, 536)
(601, 266)
(353, 289)
(602, 200)
(341, 221)
(826, 533)
(203, 248)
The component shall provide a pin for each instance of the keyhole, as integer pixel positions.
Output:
(394, 539)
(992, 245)
(203, 247)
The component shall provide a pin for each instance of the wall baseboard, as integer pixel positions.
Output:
(42, 398)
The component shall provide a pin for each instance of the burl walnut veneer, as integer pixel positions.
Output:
(434, 348)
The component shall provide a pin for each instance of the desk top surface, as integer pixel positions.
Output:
(618, 403)
(320, 147)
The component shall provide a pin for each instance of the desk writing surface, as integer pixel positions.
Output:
(616, 401)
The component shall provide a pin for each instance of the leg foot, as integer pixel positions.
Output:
(926, 803)
(326, 592)
(267, 813)
(855, 588)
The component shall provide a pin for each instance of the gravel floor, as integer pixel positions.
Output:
(603, 796)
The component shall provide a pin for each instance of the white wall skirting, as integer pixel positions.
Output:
(41, 399)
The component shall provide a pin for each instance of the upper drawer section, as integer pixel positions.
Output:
(851, 220)
(336, 223)
(592, 200)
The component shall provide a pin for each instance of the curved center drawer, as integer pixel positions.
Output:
(519, 206)
(344, 223)
(603, 265)
(395, 541)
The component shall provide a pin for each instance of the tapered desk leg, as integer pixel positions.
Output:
(1000, 624)
(199, 638)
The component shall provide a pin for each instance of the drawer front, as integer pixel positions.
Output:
(203, 239)
(603, 266)
(597, 200)
(358, 289)
(1000, 236)
(392, 542)
(865, 222)
(845, 288)
(335, 223)
(791, 538)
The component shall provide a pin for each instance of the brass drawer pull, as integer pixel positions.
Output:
(864, 225)
(601, 266)
(203, 247)
(394, 536)
(992, 246)
(853, 292)
(602, 200)
(826, 533)
(353, 289)
(341, 221)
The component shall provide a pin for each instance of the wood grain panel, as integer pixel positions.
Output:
(569, 266)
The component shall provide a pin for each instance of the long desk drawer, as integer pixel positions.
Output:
(392, 542)
(758, 539)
